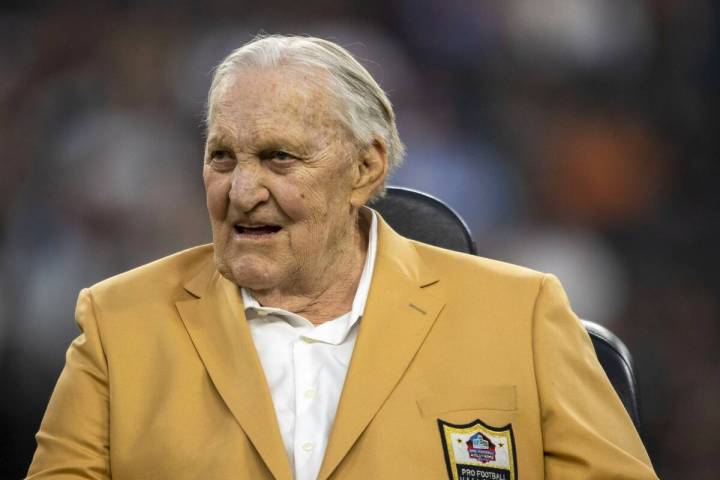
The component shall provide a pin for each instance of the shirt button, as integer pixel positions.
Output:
(310, 393)
(308, 446)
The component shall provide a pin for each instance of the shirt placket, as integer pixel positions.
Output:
(309, 442)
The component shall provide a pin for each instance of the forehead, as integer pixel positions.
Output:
(279, 99)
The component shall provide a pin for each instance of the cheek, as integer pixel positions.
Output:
(297, 201)
(315, 199)
(216, 190)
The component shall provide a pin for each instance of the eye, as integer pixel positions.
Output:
(278, 155)
(221, 160)
(219, 155)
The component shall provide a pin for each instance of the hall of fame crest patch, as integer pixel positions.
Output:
(477, 451)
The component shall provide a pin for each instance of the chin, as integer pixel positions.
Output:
(246, 273)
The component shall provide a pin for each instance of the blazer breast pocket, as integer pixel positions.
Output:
(483, 397)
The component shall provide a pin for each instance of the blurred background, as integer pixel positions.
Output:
(574, 136)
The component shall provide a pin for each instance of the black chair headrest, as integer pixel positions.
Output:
(404, 209)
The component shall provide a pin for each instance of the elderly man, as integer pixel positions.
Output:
(234, 360)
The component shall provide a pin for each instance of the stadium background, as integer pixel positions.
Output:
(578, 137)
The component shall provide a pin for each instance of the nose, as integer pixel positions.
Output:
(247, 189)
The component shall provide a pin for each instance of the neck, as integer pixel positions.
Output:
(328, 292)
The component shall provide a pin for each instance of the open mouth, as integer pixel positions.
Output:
(257, 230)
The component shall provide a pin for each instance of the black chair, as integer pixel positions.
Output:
(427, 219)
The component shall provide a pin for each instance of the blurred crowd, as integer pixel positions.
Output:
(577, 137)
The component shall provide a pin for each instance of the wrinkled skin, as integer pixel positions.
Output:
(285, 184)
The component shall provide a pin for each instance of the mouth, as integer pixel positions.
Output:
(257, 231)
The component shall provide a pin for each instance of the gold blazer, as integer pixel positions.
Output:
(458, 357)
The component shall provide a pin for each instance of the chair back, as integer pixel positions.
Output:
(424, 218)
(617, 362)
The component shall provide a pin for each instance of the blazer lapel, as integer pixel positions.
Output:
(217, 326)
(398, 316)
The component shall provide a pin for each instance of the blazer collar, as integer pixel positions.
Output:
(402, 306)
(215, 321)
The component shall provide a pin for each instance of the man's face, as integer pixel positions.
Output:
(279, 178)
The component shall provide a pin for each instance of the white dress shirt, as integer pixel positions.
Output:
(305, 367)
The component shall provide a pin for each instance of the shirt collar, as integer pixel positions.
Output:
(359, 301)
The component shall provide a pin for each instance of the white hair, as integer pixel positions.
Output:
(365, 110)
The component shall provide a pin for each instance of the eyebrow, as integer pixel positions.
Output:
(219, 139)
(270, 141)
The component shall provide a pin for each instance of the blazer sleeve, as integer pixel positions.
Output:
(587, 432)
(72, 442)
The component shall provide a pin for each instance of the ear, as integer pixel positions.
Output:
(371, 170)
